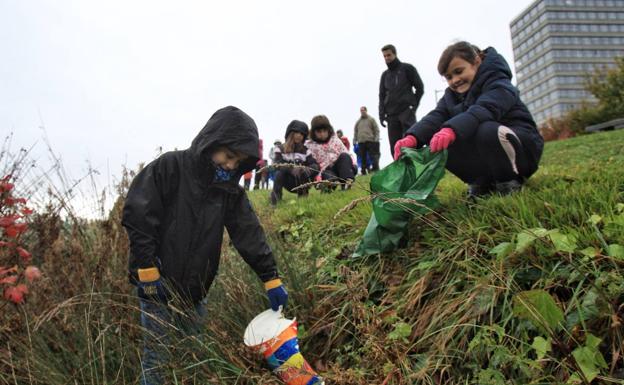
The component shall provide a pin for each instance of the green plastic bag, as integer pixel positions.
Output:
(402, 189)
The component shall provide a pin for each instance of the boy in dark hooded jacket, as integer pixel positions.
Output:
(493, 143)
(175, 213)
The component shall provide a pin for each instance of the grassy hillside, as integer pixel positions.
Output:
(520, 289)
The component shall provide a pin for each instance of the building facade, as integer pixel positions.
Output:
(557, 44)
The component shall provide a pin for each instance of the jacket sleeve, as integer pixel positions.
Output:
(355, 132)
(424, 129)
(491, 105)
(382, 97)
(417, 83)
(143, 210)
(249, 239)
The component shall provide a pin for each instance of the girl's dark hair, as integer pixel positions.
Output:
(463, 49)
(320, 122)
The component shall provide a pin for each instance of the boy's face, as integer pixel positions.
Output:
(227, 159)
(322, 134)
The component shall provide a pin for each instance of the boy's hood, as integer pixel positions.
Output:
(228, 127)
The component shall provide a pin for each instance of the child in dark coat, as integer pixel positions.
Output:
(175, 212)
(493, 143)
(294, 165)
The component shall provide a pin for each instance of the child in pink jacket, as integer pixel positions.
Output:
(330, 153)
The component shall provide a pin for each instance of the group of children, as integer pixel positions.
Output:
(178, 206)
(301, 161)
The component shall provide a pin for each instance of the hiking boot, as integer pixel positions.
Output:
(509, 187)
(347, 184)
(477, 190)
(302, 193)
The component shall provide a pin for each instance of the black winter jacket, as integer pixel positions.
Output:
(395, 89)
(175, 214)
(491, 97)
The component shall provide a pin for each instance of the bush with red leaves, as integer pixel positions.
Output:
(16, 271)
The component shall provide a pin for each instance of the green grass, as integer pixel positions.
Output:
(479, 289)
(445, 290)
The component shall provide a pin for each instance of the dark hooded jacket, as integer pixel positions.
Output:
(491, 97)
(395, 89)
(175, 213)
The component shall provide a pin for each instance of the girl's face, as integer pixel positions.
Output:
(227, 159)
(460, 74)
(297, 137)
(322, 134)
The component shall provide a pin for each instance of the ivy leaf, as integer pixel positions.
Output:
(425, 265)
(502, 250)
(563, 242)
(595, 219)
(524, 241)
(526, 238)
(401, 331)
(539, 308)
(616, 251)
(590, 252)
(589, 358)
(541, 346)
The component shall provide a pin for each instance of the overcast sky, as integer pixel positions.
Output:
(113, 81)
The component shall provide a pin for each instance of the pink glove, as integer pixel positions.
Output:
(442, 139)
(408, 141)
(318, 178)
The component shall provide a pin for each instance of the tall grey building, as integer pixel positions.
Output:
(556, 44)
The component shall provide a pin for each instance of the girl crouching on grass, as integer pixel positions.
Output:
(331, 154)
(294, 164)
(493, 143)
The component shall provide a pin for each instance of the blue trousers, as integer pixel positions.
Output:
(159, 326)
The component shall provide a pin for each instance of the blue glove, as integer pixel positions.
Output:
(278, 296)
(150, 286)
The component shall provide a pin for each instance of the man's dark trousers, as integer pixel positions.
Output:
(366, 150)
(398, 125)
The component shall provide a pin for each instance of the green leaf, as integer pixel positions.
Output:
(592, 306)
(590, 252)
(595, 219)
(526, 238)
(524, 241)
(619, 207)
(591, 341)
(541, 346)
(563, 242)
(585, 359)
(589, 358)
(539, 308)
(502, 250)
(425, 265)
(616, 251)
(401, 331)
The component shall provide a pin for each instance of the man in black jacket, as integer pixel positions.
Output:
(175, 212)
(400, 91)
